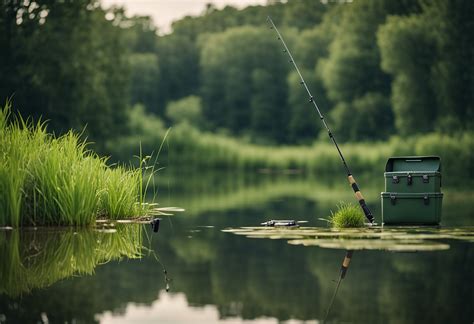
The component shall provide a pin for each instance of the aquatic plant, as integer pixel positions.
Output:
(49, 180)
(347, 215)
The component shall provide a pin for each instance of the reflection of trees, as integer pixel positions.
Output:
(242, 277)
(255, 278)
(205, 192)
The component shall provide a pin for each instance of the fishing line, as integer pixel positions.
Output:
(157, 259)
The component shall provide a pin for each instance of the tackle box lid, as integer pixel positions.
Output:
(412, 173)
(413, 163)
(418, 195)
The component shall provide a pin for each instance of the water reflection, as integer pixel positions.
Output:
(38, 258)
(344, 267)
(218, 276)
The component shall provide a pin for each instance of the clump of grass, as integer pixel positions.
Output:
(347, 215)
(48, 180)
(118, 199)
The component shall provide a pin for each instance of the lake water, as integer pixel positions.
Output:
(214, 275)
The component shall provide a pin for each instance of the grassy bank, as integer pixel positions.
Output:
(48, 180)
(188, 147)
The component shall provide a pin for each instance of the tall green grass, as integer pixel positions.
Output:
(48, 180)
(190, 148)
(347, 215)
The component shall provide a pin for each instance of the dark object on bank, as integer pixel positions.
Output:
(280, 222)
(412, 191)
(351, 179)
(155, 224)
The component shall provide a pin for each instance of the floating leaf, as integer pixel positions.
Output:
(413, 238)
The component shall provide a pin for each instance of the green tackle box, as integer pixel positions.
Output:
(411, 208)
(413, 174)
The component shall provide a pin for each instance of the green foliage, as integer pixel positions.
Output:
(353, 64)
(304, 123)
(403, 65)
(139, 32)
(48, 180)
(304, 13)
(267, 120)
(433, 77)
(188, 148)
(142, 123)
(233, 70)
(408, 51)
(65, 62)
(188, 109)
(144, 81)
(347, 215)
(146, 129)
(118, 199)
(179, 67)
(366, 118)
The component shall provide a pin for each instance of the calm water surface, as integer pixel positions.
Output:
(215, 276)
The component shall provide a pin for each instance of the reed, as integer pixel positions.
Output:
(49, 180)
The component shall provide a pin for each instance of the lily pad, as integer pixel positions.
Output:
(365, 244)
(416, 238)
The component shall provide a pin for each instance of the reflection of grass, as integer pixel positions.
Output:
(221, 192)
(45, 180)
(230, 192)
(34, 259)
(347, 215)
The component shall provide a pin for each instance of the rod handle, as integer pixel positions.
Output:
(360, 198)
(345, 263)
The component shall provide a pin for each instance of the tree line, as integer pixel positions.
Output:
(376, 67)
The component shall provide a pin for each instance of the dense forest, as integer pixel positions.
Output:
(377, 68)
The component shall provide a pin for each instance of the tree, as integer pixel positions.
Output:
(144, 81)
(408, 51)
(187, 110)
(453, 73)
(178, 68)
(304, 123)
(304, 14)
(352, 69)
(430, 55)
(66, 62)
(243, 73)
(268, 114)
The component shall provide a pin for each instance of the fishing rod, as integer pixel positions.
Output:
(344, 268)
(350, 177)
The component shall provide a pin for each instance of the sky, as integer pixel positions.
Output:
(164, 12)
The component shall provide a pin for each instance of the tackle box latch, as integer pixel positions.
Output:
(426, 179)
(395, 179)
(409, 179)
(393, 199)
(426, 200)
